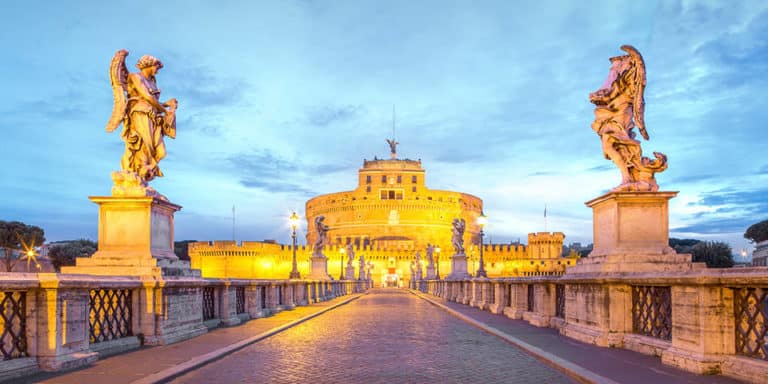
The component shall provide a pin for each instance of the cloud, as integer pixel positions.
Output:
(729, 210)
(694, 178)
(543, 173)
(601, 168)
(262, 164)
(327, 115)
(763, 170)
(276, 186)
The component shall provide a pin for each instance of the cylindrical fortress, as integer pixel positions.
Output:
(393, 208)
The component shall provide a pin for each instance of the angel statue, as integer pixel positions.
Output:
(351, 255)
(145, 119)
(430, 254)
(322, 236)
(393, 147)
(619, 109)
(458, 235)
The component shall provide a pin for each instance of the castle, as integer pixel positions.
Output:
(388, 218)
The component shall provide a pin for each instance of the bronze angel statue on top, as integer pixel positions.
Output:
(619, 109)
(145, 119)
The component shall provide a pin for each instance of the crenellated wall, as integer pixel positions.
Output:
(252, 259)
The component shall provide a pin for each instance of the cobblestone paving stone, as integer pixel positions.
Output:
(388, 336)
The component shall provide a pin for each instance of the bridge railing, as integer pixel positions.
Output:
(707, 321)
(54, 321)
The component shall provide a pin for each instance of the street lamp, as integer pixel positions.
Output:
(341, 265)
(482, 220)
(437, 264)
(294, 222)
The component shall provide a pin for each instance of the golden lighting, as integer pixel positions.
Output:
(293, 220)
(482, 220)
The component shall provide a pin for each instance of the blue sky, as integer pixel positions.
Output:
(280, 101)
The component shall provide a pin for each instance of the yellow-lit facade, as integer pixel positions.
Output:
(389, 217)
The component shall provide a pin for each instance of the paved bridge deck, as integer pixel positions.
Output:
(389, 335)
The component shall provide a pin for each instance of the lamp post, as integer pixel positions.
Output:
(437, 264)
(341, 265)
(482, 220)
(294, 222)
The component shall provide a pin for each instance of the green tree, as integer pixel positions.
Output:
(757, 232)
(715, 253)
(16, 238)
(683, 245)
(65, 252)
(181, 249)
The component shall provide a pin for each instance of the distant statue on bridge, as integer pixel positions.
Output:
(351, 255)
(322, 236)
(145, 119)
(619, 108)
(458, 235)
(361, 274)
(430, 253)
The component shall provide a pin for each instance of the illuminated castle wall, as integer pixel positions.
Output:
(393, 208)
(259, 260)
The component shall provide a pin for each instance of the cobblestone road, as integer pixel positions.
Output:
(388, 336)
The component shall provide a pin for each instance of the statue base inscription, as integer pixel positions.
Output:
(135, 239)
(631, 234)
(458, 268)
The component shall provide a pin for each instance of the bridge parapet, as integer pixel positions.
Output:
(55, 322)
(710, 321)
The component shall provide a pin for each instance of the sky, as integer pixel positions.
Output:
(280, 101)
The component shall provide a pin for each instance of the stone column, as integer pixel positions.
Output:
(252, 305)
(703, 321)
(518, 301)
(500, 297)
(62, 326)
(544, 293)
(228, 306)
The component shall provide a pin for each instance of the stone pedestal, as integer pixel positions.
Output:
(135, 239)
(349, 273)
(431, 272)
(631, 235)
(458, 268)
(319, 269)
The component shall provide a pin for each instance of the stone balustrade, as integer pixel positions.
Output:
(55, 322)
(710, 321)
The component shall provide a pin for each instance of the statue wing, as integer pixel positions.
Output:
(118, 76)
(638, 104)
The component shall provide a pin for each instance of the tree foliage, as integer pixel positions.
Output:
(181, 249)
(16, 238)
(715, 253)
(683, 245)
(65, 253)
(757, 232)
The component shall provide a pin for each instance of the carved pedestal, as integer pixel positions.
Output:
(135, 239)
(431, 272)
(319, 270)
(631, 235)
(458, 268)
(349, 273)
